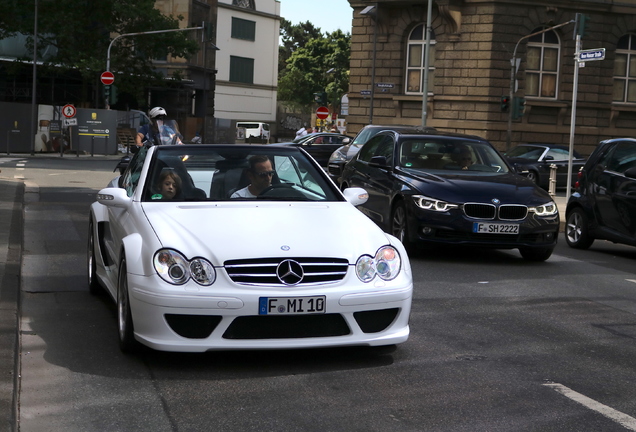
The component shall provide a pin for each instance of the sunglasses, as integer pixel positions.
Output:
(265, 173)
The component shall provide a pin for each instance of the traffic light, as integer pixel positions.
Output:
(110, 94)
(505, 103)
(582, 20)
(518, 107)
(107, 92)
(321, 98)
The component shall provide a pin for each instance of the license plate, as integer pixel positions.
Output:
(495, 228)
(291, 305)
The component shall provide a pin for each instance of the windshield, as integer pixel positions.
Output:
(223, 173)
(444, 154)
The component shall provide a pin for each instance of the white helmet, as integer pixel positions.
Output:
(156, 112)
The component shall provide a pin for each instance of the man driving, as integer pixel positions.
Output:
(260, 174)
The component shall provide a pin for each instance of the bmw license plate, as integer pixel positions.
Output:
(495, 228)
(291, 305)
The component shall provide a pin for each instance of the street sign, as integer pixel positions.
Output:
(69, 111)
(592, 54)
(107, 78)
(365, 92)
(322, 112)
(70, 122)
(384, 85)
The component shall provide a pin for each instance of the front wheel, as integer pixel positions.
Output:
(127, 341)
(536, 254)
(399, 225)
(577, 233)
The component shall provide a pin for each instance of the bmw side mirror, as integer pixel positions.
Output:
(346, 141)
(631, 173)
(378, 162)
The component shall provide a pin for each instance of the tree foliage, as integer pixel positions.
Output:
(315, 63)
(81, 31)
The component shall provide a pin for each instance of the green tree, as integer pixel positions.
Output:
(80, 31)
(322, 64)
(294, 36)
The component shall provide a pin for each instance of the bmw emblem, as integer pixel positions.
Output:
(496, 201)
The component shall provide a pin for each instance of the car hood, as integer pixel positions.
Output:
(509, 188)
(228, 230)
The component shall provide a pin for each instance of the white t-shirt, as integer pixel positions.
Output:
(301, 132)
(243, 193)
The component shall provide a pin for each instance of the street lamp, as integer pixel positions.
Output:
(34, 106)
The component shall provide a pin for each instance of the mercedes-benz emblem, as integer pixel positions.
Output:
(496, 201)
(290, 272)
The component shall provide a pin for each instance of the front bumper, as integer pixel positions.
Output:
(181, 319)
(427, 227)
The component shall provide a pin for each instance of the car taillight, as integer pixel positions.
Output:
(577, 184)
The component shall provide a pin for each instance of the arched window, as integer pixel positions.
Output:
(247, 4)
(625, 70)
(415, 52)
(542, 65)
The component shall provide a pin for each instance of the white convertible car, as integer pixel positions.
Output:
(193, 269)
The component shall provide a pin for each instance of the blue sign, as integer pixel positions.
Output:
(592, 54)
(365, 92)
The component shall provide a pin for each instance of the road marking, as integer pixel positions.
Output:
(20, 164)
(631, 280)
(619, 417)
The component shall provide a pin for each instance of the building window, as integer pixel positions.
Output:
(247, 4)
(542, 65)
(625, 70)
(415, 52)
(243, 29)
(242, 70)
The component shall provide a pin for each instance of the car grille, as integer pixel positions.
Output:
(335, 170)
(267, 271)
(490, 211)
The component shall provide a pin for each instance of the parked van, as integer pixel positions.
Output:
(252, 130)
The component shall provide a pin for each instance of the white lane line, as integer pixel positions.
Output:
(619, 417)
(631, 280)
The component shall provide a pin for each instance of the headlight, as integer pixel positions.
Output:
(549, 209)
(386, 264)
(432, 204)
(174, 268)
(338, 157)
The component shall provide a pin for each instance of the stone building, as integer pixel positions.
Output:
(471, 50)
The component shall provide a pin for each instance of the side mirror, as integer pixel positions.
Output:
(378, 162)
(631, 173)
(355, 196)
(548, 158)
(346, 140)
(114, 197)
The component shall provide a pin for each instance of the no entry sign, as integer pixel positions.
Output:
(107, 78)
(322, 112)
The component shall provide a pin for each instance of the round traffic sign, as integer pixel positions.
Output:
(107, 78)
(322, 112)
(69, 111)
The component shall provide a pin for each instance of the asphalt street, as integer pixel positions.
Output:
(19, 248)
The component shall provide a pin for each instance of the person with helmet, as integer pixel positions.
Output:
(151, 132)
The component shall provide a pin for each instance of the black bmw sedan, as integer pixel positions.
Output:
(449, 189)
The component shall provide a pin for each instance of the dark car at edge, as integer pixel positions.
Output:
(603, 205)
(435, 188)
(535, 160)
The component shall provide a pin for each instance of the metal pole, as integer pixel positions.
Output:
(8, 135)
(512, 75)
(375, 41)
(34, 107)
(427, 62)
(575, 89)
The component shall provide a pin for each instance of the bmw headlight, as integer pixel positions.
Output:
(385, 264)
(174, 268)
(549, 209)
(432, 204)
